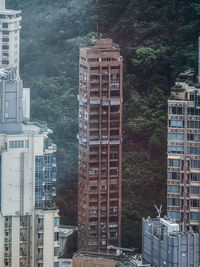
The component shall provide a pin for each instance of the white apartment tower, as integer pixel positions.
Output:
(29, 219)
(10, 37)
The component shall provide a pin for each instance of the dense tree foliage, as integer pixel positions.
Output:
(158, 40)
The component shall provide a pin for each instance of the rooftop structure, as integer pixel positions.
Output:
(100, 146)
(91, 259)
(164, 244)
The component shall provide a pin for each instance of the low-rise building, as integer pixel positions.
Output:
(91, 259)
(165, 244)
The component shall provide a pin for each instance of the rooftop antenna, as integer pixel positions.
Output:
(159, 210)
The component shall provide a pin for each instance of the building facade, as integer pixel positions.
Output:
(29, 220)
(164, 244)
(100, 146)
(10, 36)
(184, 151)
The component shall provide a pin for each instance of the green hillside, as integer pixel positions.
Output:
(158, 40)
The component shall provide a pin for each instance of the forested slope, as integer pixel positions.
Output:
(158, 39)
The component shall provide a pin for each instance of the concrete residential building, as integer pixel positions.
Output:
(10, 37)
(164, 244)
(29, 220)
(100, 146)
(184, 151)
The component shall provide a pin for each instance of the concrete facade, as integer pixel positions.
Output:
(100, 146)
(184, 151)
(10, 36)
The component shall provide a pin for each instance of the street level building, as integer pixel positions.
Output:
(90, 259)
(164, 244)
(29, 220)
(100, 146)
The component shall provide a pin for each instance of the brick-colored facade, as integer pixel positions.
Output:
(100, 146)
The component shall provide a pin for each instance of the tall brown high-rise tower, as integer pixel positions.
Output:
(100, 146)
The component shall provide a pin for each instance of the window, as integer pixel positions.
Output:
(92, 243)
(194, 137)
(115, 93)
(194, 124)
(16, 144)
(57, 221)
(194, 190)
(194, 150)
(194, 203)
(114, 85)
(56, 236)
(93, 212)
(173, 201)
(175, 149)
(195, 176)
(194, 216)
(56, 264)
(176, 110)
(175, 137)
(174, 162)
(173, 189)
(174, 214)
(27, 143)
(5, 25)
(174, 175)
(193, 111)
(5, 39)
(195, 164)
(6, 47)
(113, 225)
(115, 67)
(56, 252)
(94, 68)
(176, 123)
(94, 77)
(5, 62)
(93, 59)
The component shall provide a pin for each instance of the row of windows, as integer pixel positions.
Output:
(177, 163)
(180, 124)
(178, 175)
(180, 150)
(176, 215)
(180, 136)
(181, 111)
(176, 149)
(194, 190)
(105, 77)
(97, 68)
(18, 144)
